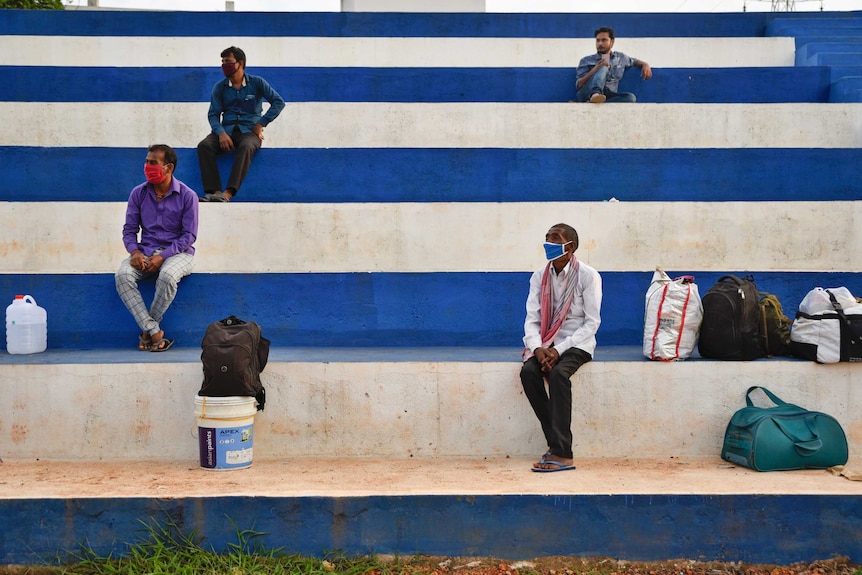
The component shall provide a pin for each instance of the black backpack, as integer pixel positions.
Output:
(731, 321)
(234, 353)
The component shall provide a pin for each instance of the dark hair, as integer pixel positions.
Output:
(236, 53)
(571, 233)
(607, 29)
(169, 153)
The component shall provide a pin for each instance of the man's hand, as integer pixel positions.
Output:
(225, 142)
(646, 71)
(153, 263)
(547, 358)
(258, 130)
(137, 260)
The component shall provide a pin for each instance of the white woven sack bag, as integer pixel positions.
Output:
(672, 317)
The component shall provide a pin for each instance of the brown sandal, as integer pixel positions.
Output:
(163, 344)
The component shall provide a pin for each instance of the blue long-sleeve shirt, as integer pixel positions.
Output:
(243, 108)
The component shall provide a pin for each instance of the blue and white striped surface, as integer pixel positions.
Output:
(382, 214)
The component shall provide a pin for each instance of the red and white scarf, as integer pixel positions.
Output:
(551, 322)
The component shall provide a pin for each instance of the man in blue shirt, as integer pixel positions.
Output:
(237, 120)
(599, 74)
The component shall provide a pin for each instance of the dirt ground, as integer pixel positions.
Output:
(576, 566)
(607, 566)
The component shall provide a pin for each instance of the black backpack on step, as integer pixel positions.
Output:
(731, 321)
(234, 353)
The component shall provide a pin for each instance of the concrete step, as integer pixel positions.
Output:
(712, 85)
(631, 509)
(468, 125)
(389, 309)
(117, 405)
(531, 177)
(398, 51)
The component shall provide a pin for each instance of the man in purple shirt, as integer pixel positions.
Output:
(165, 212)
(237, 120)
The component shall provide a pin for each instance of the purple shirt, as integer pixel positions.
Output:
(170, 225)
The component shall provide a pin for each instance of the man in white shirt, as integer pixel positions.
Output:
(563, 315)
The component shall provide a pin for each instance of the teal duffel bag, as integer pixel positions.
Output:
(783, 437)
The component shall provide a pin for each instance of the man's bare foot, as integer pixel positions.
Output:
(144, 342)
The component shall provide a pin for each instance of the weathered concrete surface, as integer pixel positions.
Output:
(359, 476)
(682, 52)
(401, 407)
(622, 236)
(448, 125)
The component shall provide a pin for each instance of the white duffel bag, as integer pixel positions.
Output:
(828, 327)
(672, 317)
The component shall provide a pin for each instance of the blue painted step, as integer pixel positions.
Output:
(300, 84)
(472, 309)
(459, 174)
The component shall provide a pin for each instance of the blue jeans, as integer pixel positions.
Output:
(597, 84)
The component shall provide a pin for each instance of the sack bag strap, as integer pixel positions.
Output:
(231, 320)
(775, 399)
(845, 323)
(837, 307)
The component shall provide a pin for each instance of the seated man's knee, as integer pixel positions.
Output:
(168, 280)
(247, 146)
(208, 145)
(125, 273)
(530, 370)
(560, 375)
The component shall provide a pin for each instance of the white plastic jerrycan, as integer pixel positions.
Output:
(26, 326)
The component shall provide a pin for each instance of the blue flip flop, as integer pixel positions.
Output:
(560, 466)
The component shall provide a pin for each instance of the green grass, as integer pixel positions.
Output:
(166, 550)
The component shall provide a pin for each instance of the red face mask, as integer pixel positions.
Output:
(229, 68)
(154, 174)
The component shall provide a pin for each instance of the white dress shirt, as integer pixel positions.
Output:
(581, 323)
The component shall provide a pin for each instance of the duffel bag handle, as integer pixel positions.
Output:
(775, 399)
(804, 447)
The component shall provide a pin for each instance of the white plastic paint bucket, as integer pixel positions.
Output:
(225, 431)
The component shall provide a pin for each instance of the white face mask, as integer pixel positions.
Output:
(555, 251)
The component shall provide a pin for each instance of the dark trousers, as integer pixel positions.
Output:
(554, 407)
(245, 147)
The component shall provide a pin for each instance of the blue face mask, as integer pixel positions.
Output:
(554, 251)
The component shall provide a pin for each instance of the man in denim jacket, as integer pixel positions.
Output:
(599, 74)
